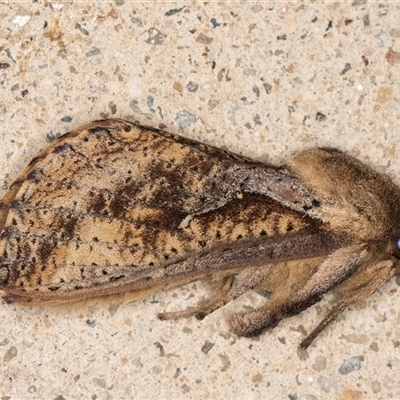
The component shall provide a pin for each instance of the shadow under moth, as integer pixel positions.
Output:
(113, 208)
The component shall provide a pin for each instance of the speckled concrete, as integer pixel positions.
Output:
(261, 78)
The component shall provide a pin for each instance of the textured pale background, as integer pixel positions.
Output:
(261, 78)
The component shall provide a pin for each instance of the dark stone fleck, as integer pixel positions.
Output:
(221, 74)
(100, 382)
(51, 136)
(207, 347)
(350, 365)
(246, 101)
(267, 87)
(137, 21)
(32, 389)
(185, 118)
(82, 29)
(192, 87)
(330, 26)
(155, 37)
(256, 91)
(67, 118)
(320, 116)
(257, 119)
(24, 92)
(347, 68)
(161, 348)
(177, 373)
(11, 353)
(365, 60)
(94, 52)
(226, 363)
(150, 102)
(4, 65)
(216, 24)
(382, 10)
(174, 11)
(113, 108)
(202, 38)
(134, 105)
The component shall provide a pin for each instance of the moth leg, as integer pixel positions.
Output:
(203, 309)
(335, 269)
(358, 287)
(230, 288)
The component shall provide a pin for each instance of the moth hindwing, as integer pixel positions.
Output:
(113, 207)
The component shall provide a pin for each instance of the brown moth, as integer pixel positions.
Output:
(113, 207)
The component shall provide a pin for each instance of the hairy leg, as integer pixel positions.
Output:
(336, 268)
(226, 288)
(358, 287)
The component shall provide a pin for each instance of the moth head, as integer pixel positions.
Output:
(355, 199)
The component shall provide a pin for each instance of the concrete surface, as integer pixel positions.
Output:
(264, 79)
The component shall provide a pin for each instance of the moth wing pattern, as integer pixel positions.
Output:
(114, 207)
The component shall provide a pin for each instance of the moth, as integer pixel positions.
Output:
(114, 207)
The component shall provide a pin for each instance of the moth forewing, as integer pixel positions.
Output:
(114, 207)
